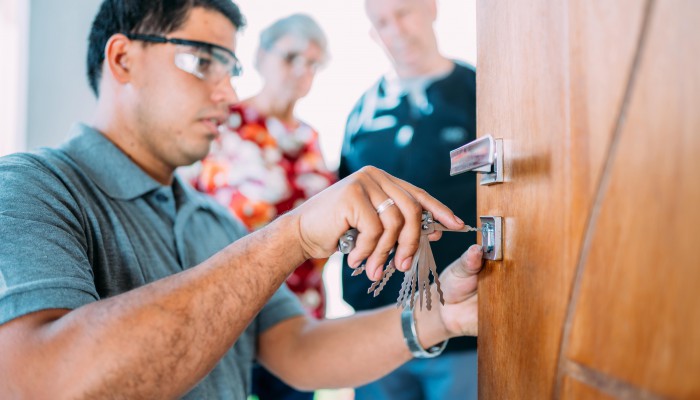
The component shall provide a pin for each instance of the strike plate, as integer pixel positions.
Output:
(491, 237)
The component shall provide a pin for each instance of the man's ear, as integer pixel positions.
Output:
(117, 57)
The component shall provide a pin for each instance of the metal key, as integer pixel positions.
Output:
(377, 286)
(418, 276)
(421, 269)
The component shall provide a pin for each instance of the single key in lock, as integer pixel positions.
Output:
(418, 276)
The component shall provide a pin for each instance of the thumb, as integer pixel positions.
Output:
(469, 263)
(459, 280)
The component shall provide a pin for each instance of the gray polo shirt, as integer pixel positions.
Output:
(83, 222)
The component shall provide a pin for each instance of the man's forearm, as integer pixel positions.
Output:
(345, 352)
(161, 339)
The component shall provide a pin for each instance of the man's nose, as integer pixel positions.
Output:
(395, 27)
(225, 92)
(304, 69)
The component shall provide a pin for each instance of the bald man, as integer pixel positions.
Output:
(406, 124)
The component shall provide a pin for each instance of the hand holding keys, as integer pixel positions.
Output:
(417, 277)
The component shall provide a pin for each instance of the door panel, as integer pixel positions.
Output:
(637, 317)
(603, 38)
(574, 389)
(597, 104)
(523, 100)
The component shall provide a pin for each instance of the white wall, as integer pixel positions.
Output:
(58, 93)
(14, 28)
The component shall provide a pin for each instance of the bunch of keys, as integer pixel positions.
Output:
(418, 276)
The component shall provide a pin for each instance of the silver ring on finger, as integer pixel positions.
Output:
(385, 204)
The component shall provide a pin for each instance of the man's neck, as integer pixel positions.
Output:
(436, 66)
(112, 126)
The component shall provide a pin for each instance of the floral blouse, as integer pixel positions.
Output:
(260, 168)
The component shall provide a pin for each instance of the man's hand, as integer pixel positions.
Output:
(459, 285)
(352, 203)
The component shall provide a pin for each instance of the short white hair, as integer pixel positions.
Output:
(301, 26)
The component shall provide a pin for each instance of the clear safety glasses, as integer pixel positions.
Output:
(207, 61)
(297, 61)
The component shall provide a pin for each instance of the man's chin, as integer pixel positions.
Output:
(193, 156)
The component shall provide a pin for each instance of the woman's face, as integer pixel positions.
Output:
(289, 67)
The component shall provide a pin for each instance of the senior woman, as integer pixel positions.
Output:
(267, 161)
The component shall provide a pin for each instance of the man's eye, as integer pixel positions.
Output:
(204, 63)
(292, 58)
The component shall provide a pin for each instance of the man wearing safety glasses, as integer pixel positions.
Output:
(207, 61)
(117, 280)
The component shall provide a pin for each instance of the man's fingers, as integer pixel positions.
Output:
(392, 223)
(379, 221)
(435, 236)
(459, 280)
(401, 205)
(440, 211)
(369, 226)
(469, 263)
(472, 260)
(411, 212)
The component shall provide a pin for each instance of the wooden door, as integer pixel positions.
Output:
(598, 292)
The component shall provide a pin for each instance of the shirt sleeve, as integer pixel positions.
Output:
(283, 305)
(44, 261)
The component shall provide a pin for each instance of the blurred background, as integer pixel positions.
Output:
(43, 85)
(43, 88)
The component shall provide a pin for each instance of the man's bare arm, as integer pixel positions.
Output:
(156, 341)
(353, 351)
(161, 339)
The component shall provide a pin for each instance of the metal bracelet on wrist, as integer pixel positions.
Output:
(408, 326)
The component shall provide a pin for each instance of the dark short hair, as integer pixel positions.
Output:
(147, 17)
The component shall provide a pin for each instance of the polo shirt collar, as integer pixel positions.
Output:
(112, 170)
(191, 195)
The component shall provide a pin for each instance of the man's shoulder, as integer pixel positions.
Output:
(45, 164)
(462, 72)
(375, 87)
(38, 188)
(376, 90)
(41, 178)
(34, 158)
(462, 65)
(460, 83)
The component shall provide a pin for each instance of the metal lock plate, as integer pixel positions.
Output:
(491, 237)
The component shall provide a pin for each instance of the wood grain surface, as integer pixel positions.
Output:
(597, 104)
(522, 97)
(638, 314)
